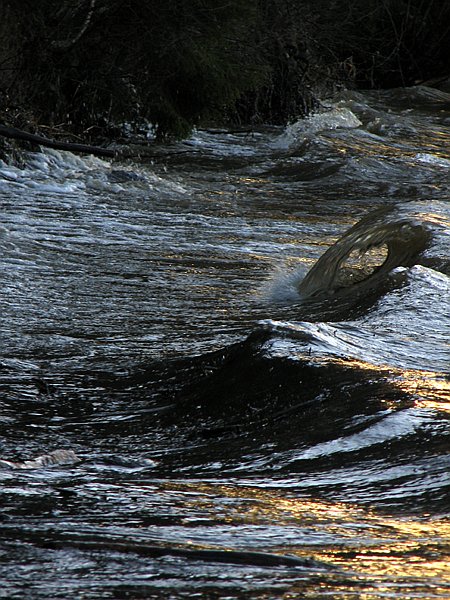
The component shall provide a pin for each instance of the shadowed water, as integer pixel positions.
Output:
(226, 374)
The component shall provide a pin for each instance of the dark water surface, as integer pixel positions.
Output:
(227, 374)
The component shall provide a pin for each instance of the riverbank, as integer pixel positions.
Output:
(87, 72)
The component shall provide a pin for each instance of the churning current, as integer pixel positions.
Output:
(225, 370)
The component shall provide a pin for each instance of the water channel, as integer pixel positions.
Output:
(225, 371)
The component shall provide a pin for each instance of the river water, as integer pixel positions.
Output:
(225, 371)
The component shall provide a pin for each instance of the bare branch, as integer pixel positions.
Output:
(65, 45)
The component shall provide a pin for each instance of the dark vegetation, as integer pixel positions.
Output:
(86, 66)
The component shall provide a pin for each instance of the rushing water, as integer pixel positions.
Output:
(226, 373)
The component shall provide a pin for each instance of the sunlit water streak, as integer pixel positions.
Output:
(303, 452)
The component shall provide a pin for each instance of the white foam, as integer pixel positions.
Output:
(282, 286)
(333, 117)
(431, 159)
(55, 458)
(59, 172)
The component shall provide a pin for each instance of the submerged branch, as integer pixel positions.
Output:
(19, 134)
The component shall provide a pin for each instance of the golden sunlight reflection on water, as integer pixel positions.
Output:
(374, 554)
(431, 389)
